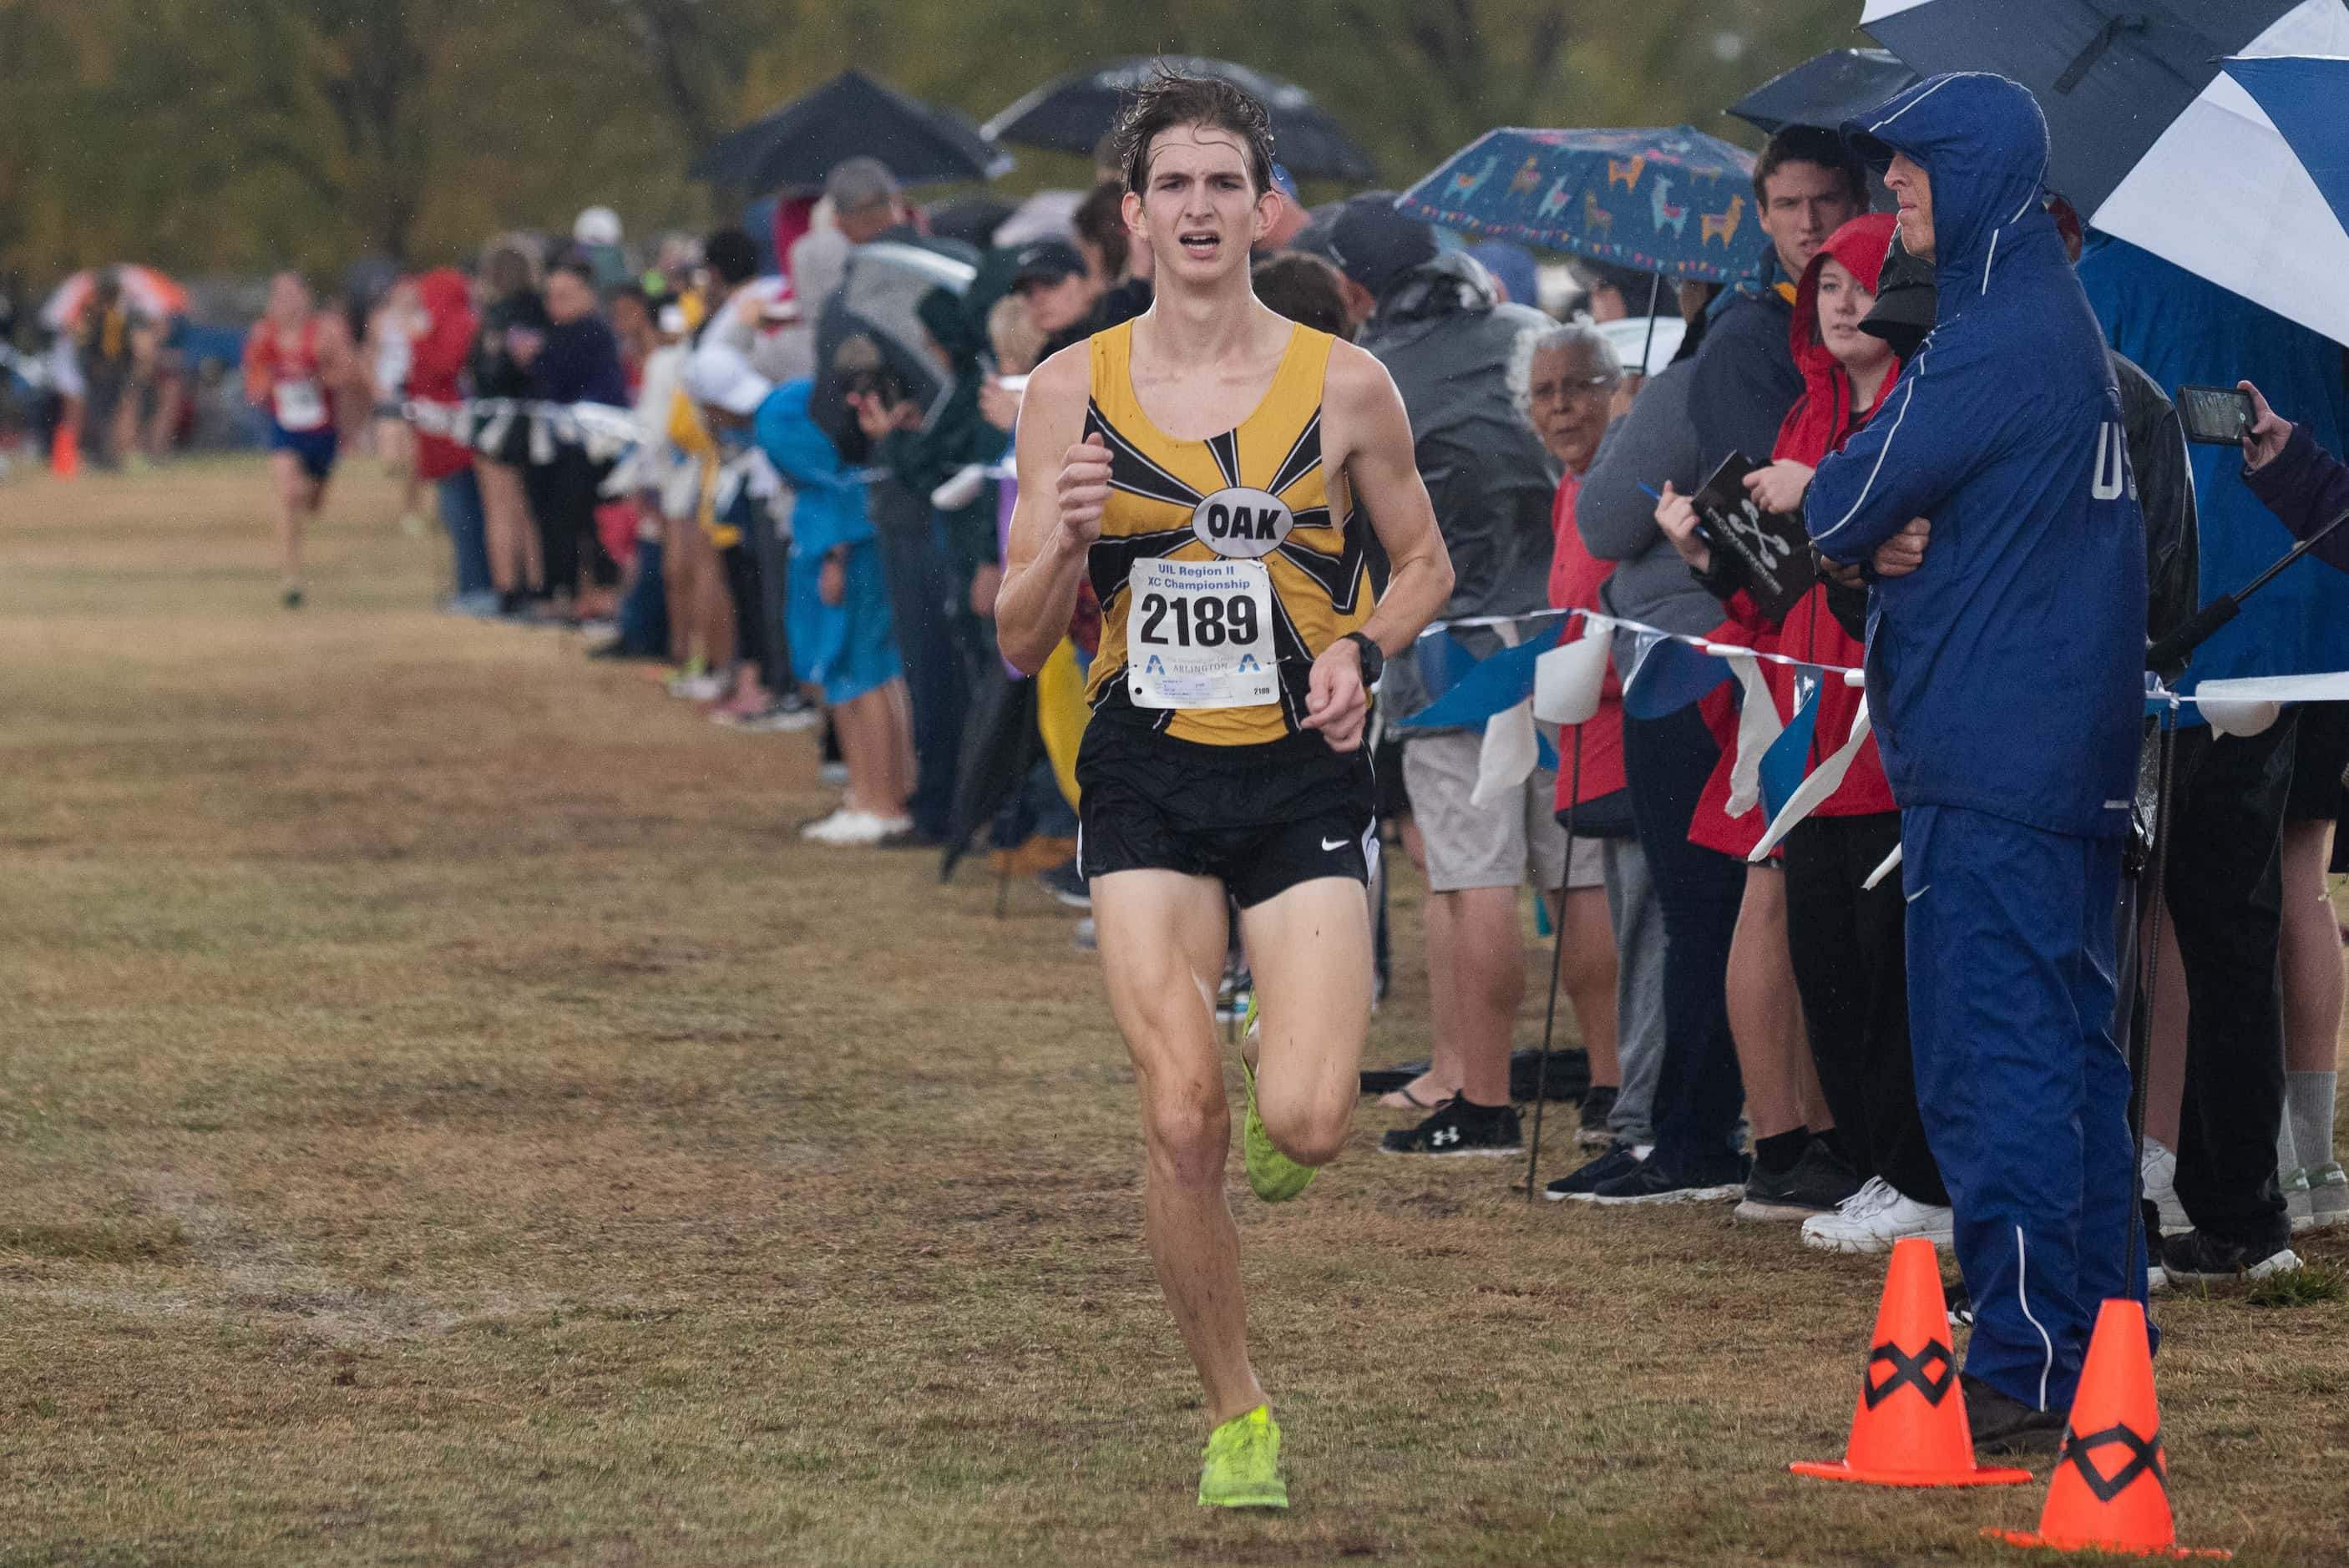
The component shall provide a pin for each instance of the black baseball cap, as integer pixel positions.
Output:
(1904, 297)
(1374, 244)
(1046, 261)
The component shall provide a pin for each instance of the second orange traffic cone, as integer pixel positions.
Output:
(1909, 1428)
(65, 450)
(2111, 1489)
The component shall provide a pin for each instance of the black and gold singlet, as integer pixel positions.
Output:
(1257, 493)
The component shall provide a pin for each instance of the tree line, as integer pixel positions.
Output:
(230, 136)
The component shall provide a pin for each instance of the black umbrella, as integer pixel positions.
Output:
(999, 744)
(851, 116)
(1073, 113)
(1824, 90)
(2112, 75)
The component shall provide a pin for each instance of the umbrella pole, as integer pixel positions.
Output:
(1655, 288)
(1557, 964)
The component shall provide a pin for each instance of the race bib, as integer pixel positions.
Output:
(301, 406)
(1198, 634)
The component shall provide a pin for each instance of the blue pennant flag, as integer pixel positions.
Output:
(1490, 685)
(1670, 676)
(1442, 658)
(1789, 760)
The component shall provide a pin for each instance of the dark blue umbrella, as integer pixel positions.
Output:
(851, 116)
(2112, 75)
(1824, 90)
(2303, 96)
(1668, 199)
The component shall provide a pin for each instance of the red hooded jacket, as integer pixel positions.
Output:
(438, 357)
(1818, 423)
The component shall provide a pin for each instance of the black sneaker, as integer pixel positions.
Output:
(2004, 1425)
(1619, 1160)
(2199, 1257)
(1960, 1301)
(1814, 1185)
(1661, 1179)
(1066, 883)
(1460, 1127)
(1598, 1105)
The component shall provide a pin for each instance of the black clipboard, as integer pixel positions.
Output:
(1774, 547)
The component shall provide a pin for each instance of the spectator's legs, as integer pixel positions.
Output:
(644, 628)
(549, 493)
(1848, 947)
(742, 585)
(1698, 1090)
(1587, 973)
(2010, 936)
(2312, 988)
(515, 564)
(459, 495)
(2225, 893)
(935, 681)
(2164, 1068)
(1765, 1017)
(1638, 928)
(875, 750)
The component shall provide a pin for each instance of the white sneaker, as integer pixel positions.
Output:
(697, 689)
(1875, 1217)
(848, 829)
(2328, 1195)
(2158, 1175)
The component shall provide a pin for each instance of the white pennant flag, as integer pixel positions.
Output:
(1758, 725)
(1569, 679)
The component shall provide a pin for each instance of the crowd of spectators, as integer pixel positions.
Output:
(808, 525)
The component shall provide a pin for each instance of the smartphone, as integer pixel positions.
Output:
(2215, 416)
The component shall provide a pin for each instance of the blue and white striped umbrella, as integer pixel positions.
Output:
(2150, 139)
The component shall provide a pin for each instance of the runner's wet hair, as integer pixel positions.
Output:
(1169, 99)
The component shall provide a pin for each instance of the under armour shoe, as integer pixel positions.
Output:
(2002, 1425)
(1597, 1107)
(1812, 1185)
(2297, 1205)
(1460, 1127)
(2328, 1195)
(2199, 1257)
(1242, 1468)
(1272, 1175)
(1620, 1158)
(1672, 1179)
(2158, 1177)
(1875, 1217)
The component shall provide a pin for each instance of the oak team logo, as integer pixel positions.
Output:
(1245, 524)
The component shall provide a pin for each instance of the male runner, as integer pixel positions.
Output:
(294, 359)
(1202, 463)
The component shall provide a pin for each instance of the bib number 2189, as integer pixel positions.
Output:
(1199, 635)
(1207, 622)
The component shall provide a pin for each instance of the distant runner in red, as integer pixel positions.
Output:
(293, 356)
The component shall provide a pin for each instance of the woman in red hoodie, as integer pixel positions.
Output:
(438, 357)
(1847, 944)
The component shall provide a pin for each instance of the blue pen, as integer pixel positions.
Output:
(1653, 492)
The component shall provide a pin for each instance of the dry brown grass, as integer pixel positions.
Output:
(445, 1118)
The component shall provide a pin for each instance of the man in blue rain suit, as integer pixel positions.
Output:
(2004, 679)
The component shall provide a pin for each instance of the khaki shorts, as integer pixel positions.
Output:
(1504, 843)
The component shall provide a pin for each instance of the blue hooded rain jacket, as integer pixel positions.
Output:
(2004, 675)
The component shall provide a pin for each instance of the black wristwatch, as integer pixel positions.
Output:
(1374, 658)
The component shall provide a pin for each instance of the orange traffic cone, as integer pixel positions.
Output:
(2111, 1489)
(1909, 1428)
(65, 450)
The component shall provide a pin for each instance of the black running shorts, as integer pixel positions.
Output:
(1258, 818)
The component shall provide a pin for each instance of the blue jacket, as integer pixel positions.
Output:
(827, 496)
(2183, 329)
(2005, 674)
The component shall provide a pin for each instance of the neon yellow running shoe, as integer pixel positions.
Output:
(1242, 1464)
(1274, 1176)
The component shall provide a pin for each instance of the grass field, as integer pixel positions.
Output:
(446, 1117)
